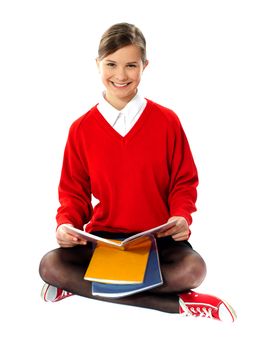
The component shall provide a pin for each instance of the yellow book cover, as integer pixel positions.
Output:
(121, 266)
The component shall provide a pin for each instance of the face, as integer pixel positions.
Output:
(121, 74)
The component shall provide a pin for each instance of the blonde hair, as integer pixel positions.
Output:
(120, 35)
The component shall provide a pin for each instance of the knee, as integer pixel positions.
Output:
(187, 274)
(45, 267)
(196, 270)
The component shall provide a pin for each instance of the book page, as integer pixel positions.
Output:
(151, 232)
(90, 237)
(130, 240)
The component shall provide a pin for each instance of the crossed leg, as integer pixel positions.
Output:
(182, 269)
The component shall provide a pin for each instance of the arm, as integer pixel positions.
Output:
(74, 187)
(184, 178)
(183, 184)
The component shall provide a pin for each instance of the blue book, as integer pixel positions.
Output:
(152, 278)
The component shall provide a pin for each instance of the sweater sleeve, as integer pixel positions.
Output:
(184, 177)
(74, 187)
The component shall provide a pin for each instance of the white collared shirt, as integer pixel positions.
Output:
(122, 121)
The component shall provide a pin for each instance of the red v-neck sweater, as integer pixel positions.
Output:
(140, 179)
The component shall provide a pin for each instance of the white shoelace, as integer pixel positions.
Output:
(201, 312)
(196, 311)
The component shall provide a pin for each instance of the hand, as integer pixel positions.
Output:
(180, 232)
(66, 240)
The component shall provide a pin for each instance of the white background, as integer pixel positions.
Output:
(208, 62)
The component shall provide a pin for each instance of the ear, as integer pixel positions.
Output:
(145, 64)
(98, 63)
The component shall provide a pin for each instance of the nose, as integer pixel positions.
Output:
(121, 74)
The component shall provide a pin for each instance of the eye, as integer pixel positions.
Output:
(132, 65)
(110, 64)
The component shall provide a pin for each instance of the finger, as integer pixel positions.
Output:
(182, 236)
(65, 245)
(71, 243)
(169, 232)
(65, 237)
(75, 239)
(81, 242)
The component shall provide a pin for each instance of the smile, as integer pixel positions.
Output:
(117, 85)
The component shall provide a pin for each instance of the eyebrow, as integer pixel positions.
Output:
(126, 62)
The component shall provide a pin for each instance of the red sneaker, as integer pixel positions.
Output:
(204, 305)
(52, 294)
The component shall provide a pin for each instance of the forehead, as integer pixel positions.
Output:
(130, 53)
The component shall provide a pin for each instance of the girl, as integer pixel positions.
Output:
(133, 156)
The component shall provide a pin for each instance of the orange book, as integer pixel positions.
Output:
(121, 266)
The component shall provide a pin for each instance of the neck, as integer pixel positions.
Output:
(117, 103)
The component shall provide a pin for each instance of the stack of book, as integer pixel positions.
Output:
(121, 268)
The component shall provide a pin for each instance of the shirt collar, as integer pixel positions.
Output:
(130, 110)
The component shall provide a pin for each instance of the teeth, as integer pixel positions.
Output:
(120, 85)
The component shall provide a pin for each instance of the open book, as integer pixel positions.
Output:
(120, 244)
